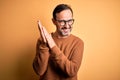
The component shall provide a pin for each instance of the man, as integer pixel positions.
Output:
(59, 55)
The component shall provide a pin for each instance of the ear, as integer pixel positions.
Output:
(53, 20)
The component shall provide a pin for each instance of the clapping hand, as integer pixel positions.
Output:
(47, 38)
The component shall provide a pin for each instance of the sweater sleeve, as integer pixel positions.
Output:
(40, 61)
(69, 66)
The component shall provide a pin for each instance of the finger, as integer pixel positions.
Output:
(43, 35)
(39, 24)
(41, 31)
(46, 33)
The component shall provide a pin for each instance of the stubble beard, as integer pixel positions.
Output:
(64, 31)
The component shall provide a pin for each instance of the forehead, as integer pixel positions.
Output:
(65, 14)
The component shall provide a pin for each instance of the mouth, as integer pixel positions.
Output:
(65, 30)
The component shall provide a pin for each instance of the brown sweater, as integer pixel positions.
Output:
(62, 62)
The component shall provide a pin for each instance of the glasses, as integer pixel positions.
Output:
(63, 22)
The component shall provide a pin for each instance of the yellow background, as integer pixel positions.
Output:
(97, 22)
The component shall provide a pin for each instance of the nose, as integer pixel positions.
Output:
(67, 25)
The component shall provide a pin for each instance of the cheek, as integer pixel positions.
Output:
(54, 22)
(58, 27)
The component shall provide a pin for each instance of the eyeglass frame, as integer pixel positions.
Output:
(65, 21)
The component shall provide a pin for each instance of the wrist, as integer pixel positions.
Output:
(52, 45)
(55, 51)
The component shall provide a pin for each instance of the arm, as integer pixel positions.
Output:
(41, 59)
(42, 53)
(69, 67)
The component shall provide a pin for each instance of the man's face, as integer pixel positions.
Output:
(64, 21)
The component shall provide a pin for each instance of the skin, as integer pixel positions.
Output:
(63, 31)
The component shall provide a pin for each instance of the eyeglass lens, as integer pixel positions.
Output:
(63, 22)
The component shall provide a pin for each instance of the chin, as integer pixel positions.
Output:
(62, 33)
(65, 34)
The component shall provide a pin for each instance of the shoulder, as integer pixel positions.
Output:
(77, 39)
(78, 43)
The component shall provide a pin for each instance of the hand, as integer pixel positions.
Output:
(47, 38)
(41, 31)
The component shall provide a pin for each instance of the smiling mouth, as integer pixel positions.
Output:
(66, 30)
